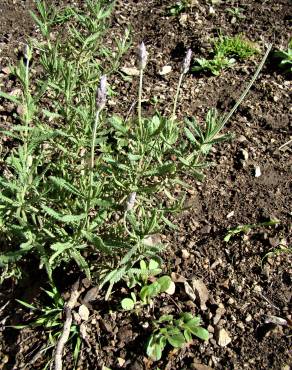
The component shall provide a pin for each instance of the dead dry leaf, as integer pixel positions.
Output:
(83, 312)
(130, 71)
(189, 290)
(201, 292)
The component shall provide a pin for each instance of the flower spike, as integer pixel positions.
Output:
(142, 56)
(101, 93)
(187, 62)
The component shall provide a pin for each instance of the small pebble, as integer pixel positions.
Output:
(248, 318)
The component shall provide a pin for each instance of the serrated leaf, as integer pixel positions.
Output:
(63, 184)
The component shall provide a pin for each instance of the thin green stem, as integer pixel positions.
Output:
(89, 194)
(176, 97)
(245, 92)
(140, 102)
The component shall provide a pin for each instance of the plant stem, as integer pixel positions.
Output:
(89, 195)
(140, 102)
(243, 95)
(176, 96)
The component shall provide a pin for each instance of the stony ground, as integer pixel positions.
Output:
(245, 290)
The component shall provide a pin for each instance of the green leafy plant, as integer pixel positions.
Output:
(226, 51)
(175, 332)
(147, 292)
(236, 14)
(279, 250)
(80, 186)
(284, 58)
(244, 229)
(215, 65)
(236, 46)
(178, 8)
(140, 276)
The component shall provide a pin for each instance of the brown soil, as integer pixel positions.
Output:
(246, 288)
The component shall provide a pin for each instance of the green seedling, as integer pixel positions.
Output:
(236, 14)
(178, 8)
(244, 229)
(284, 59)
(215, 65)
(140, 276)
(175, 332)
(280, 249)
(147, 293)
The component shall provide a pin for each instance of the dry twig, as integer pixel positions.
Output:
(75, 293)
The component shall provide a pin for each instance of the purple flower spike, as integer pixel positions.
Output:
(131, 201)
(187, 62)
(101, 93)
(142, 56)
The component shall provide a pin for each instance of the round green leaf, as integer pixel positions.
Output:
(164, 283)
(128, 304)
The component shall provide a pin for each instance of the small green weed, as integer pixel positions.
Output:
(226, 50)
(280, 249)
(215, 65)
(178, 8)
(175, 332)
(244, 229)
(140, 276)
(236, 46)
(284, 59)
(236, 14)
(148, 292)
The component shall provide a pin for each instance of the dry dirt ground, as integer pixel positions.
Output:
(245, 290)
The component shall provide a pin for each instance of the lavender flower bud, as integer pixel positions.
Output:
(187, 62)
(131, 201)
(101, 93)
(142, 56)
(28, 53)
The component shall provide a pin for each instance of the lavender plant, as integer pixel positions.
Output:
(83, 187)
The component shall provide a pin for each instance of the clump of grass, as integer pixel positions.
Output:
(237, 47)
(225, 53)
